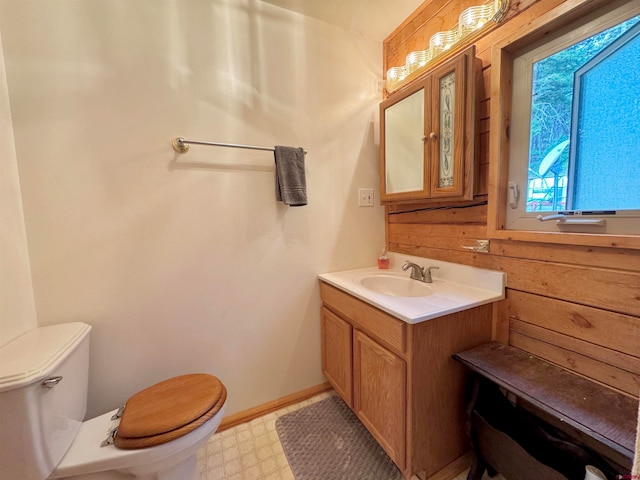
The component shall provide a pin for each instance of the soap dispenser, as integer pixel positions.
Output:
(383, 259)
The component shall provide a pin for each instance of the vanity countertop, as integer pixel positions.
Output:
(455, 288)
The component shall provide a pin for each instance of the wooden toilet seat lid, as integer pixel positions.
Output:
(169, 409)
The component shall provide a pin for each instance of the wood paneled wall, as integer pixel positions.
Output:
(576, 306)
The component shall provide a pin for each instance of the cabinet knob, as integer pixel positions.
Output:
(424, 138)
(432, 135)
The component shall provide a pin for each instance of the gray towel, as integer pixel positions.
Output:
(291, 184)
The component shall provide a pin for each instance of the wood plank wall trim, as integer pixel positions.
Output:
(601, 257)
(578, 338)
(593, 325)
(603, 288)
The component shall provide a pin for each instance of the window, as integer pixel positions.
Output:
(574, 152)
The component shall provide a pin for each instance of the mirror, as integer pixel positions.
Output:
(403, 144)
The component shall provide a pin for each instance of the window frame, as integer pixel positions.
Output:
(502, 59)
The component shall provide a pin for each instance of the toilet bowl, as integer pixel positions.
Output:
(175, 460)
(43, 393)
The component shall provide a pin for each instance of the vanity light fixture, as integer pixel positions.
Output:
(471, 22)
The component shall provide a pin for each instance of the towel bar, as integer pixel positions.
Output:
(181, 145)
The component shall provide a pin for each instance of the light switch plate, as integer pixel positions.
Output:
(365, 197)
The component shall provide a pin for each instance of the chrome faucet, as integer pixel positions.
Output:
(418, 272)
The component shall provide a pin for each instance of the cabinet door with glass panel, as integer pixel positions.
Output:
(427, 141)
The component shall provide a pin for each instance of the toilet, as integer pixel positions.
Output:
(44, 377)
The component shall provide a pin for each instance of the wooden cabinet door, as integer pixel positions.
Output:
(337, 356)
(380, 382)
(404, 169)
(451, 138)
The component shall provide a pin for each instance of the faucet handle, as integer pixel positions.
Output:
(427, 273)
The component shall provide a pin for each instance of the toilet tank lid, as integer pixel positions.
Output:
(33, 355)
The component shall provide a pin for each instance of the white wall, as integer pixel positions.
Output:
(17, 305)
(186, 263)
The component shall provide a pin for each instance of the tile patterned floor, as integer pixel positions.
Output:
(252, 451)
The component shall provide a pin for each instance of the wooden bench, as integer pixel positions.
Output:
(590, 410)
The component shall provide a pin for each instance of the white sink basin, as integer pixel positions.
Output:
(396, 286)
(455, 288)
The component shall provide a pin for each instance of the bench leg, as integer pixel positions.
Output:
(477, 468)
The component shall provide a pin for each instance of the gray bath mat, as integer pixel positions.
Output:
(325, 441)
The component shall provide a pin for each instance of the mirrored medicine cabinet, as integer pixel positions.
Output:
(427, 146)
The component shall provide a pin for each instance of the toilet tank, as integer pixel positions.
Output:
(40, 413)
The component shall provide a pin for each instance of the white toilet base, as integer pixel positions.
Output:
(185, 470)
(174, 460)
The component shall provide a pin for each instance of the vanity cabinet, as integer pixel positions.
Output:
(427, 146)
(399, 378)
(337, 354)
(380, 399)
